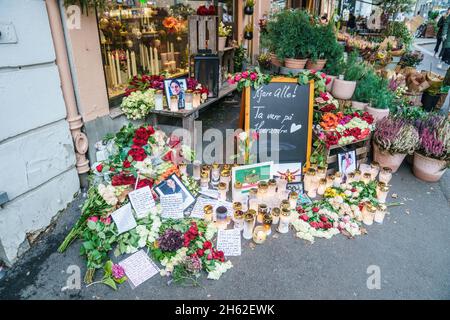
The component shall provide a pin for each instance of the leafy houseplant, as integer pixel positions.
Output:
(224, 31)
(353, 72)
(399, 30)
(248, 9)
(248, 32)
(264, 60)
(411, 59)
(393, 139)
(240, 57)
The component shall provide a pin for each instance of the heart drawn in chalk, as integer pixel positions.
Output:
(295, 127)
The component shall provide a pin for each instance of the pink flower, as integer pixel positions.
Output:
(237, 77)
(93, 219)
(106, 220)
(231, 81)
(328, 80)
(253, 76)
(117, 271)
(323, 75)
(245, 74)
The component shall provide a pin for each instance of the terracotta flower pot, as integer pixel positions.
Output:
(428, 169)
(359, 105)
(222, 43)
(294, 63)
(377, 114)
(385, 159)
(275, 61)
(343, 89)
(319, 65)
(330, 84)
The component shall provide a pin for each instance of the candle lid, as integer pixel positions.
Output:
(159, 92)
(367, 175)
(351, 175)
(293, 195)
(285, 204)
(371, 208)
(208, 209)
(239, 214)
(237, 206)
(330, 177)
(174, 97)
(252, 212)
(225, 173)
(189, 91)
(272, 182)
(206, 167)
(204, 174)
(382, 207)
(321, 169)
(253, 191)
(338, 174)
(375, 164)
(267, 219)
(226, 166)
(215, 165)
(262, 207)
(285, 212)
(263, 185)
(221, 210)
(238, 185)
(323, 181)
(311, 171)
(276, 212)
(387, 170)
(222, 186)
(249, 217)
(357, 172)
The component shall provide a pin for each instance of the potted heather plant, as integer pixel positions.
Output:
(432, 157)
(393, 139)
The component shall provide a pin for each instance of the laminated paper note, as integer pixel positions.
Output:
(197, 211)
(172, 206)
(139, 268)
(229, 241)
(142, 201)
(210, 193)
(124, 219)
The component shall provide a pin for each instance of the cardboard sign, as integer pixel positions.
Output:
(142, 201)
(172, 206)
(229, 241)
(285, 108)
(124, 219)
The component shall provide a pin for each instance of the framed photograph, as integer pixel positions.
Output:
(173, 185)
(347, 162)
(292, 172)
(175, 87)
(295, 186)
(250, 175)
(303, 199)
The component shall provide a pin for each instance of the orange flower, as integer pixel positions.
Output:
(329, 121)
(170, 22)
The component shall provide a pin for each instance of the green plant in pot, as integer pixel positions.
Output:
(345, 85)
(324, 47)
(240, 58)
(224, 31)
(289, 33)
(364, 92)
(264, 61)
(382, 100)
(248, 8)
(248, 32)
(393, 139)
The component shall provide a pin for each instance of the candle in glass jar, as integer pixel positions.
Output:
(252, 199)
(238, 219)
(196, 100)
(174, 103)
(208, 211)
(196, 170)
(322, 186)
(308, 179)
(272, 189)
(330, 180)
(357, 175)
(313, 185)
(159, 100)
(237, 192)
(382, 192)
(204, 180)
(225, 177)
(275, 213)
(285, 204)
(221, 217)
(281, 185)
(321, 172)
(267, 223)
(368, 214)
(183, 168)
(293, 197)
(285, 218)
(262, 191)
(222, 187)
(366, 177)
(337, 179)
(189, 100)
(248, 225)
(385, 175)
(262, 211)
(381, 213)
(215, 174)
(350, 177)
(374, 169)
(259, 235)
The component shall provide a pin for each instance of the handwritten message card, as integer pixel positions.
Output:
(139, 268)
(172, 206)
(229, 241)
(197, 211)
(142, 201)
(124, 219)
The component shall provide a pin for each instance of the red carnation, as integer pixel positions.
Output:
(137, 153)
(144, 183)
(315, 209)
(304, 217)
(150, 130)
(327, 225)
(207, 245)
(320, 225)
(200, 252)
(99, 167)
(126, 164)
(323, 218)
(313, 224)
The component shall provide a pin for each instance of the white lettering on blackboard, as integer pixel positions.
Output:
(285, 92)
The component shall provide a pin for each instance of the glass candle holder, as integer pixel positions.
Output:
(275, 213)
(222, 187)
(281, 185)
(204, 180)
(285, 218)
(183, 168)
(248, 225)
(196, 169)
(236, 192)
(314, 185)
(259, 235)
(382, 192)
(267, 223)
(225, 177)
(263, 188)
(252, 199)
(308, 180)
(208, 211)
(366, 177)
(221, 217)
(238, 220)
(174, 103)
(357, 175)
(321, 172)
(272, 188)
(237, 206)
(188, 99)
(364, 168)
(293, 197)
(159, 100)
(254, 213)
(322, 187)
(262, 211)
(374, 169)
(381, 213)
(330, 180)
(350, 177)
(385, 175)
(215, 174)
(196, 100)
(337, 179)
(227, 167)
(368, 214)
(285, 204)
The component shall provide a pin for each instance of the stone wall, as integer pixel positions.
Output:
(37, 156)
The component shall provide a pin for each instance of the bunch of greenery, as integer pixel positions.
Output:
(392, 7)
(354, 70)
(240, 57)
(399, 30)
(325, 44)
(411, 59)
(364, 91)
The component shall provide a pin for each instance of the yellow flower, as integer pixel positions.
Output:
(330, 193)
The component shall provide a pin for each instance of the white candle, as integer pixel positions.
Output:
(141, 55)
(155, 55)
(152, 62)
(112, 68)
(147, 59)
(119, 76)
(133, 63)
(128, 65)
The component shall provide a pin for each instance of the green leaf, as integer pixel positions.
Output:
(121, 280)
(110, 282)
(87, 245)
(91, 225)
(108, 267)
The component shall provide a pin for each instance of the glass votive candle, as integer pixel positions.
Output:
(350, 177)
(196, 170)
(259, 235)
(366, 177)
(262, 211)
(385, 175)
(285, 204)
(237, 206)
(208, 211)
(215, 174)
(204, 180)
(374, 169)
(263, 188)
(196, 99)
(222, 187)
(236, 192)
(337, 179)
(368, 214)
(281, 185)
(183, 168)
(238, 219)
(221, 217)
(188, 99)
(272, 188)
(322, 186)
(159, 100)
(382, 192)
(285, 218)
(275, 213)
(252, 199)
(248, 225)
(314, 185)
(174, 103)
(310, 176)
(267, 223)
(330, 180)
(357, 175)
(381, 213)
(293, 197)
(225, 176)
(321, 172)
(364, 168)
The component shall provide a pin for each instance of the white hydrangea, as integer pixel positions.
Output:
(170, 263)
(211, 230)
(108, 193)
(220, 268)
(138, 104)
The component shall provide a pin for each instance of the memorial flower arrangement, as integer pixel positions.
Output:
(249, 78)
(138, 104)
(325, 102)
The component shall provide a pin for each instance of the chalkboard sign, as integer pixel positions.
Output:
(284, 107)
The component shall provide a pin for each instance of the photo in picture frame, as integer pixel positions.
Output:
(176, 87)
(173, 185)
(295, 186)
(347, 162)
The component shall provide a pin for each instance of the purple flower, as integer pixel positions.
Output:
(193, 264)
(117, 271)
(171, 240)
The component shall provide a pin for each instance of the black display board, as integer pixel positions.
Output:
(284, 107)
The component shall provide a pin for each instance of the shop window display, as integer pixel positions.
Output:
(144, 38)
